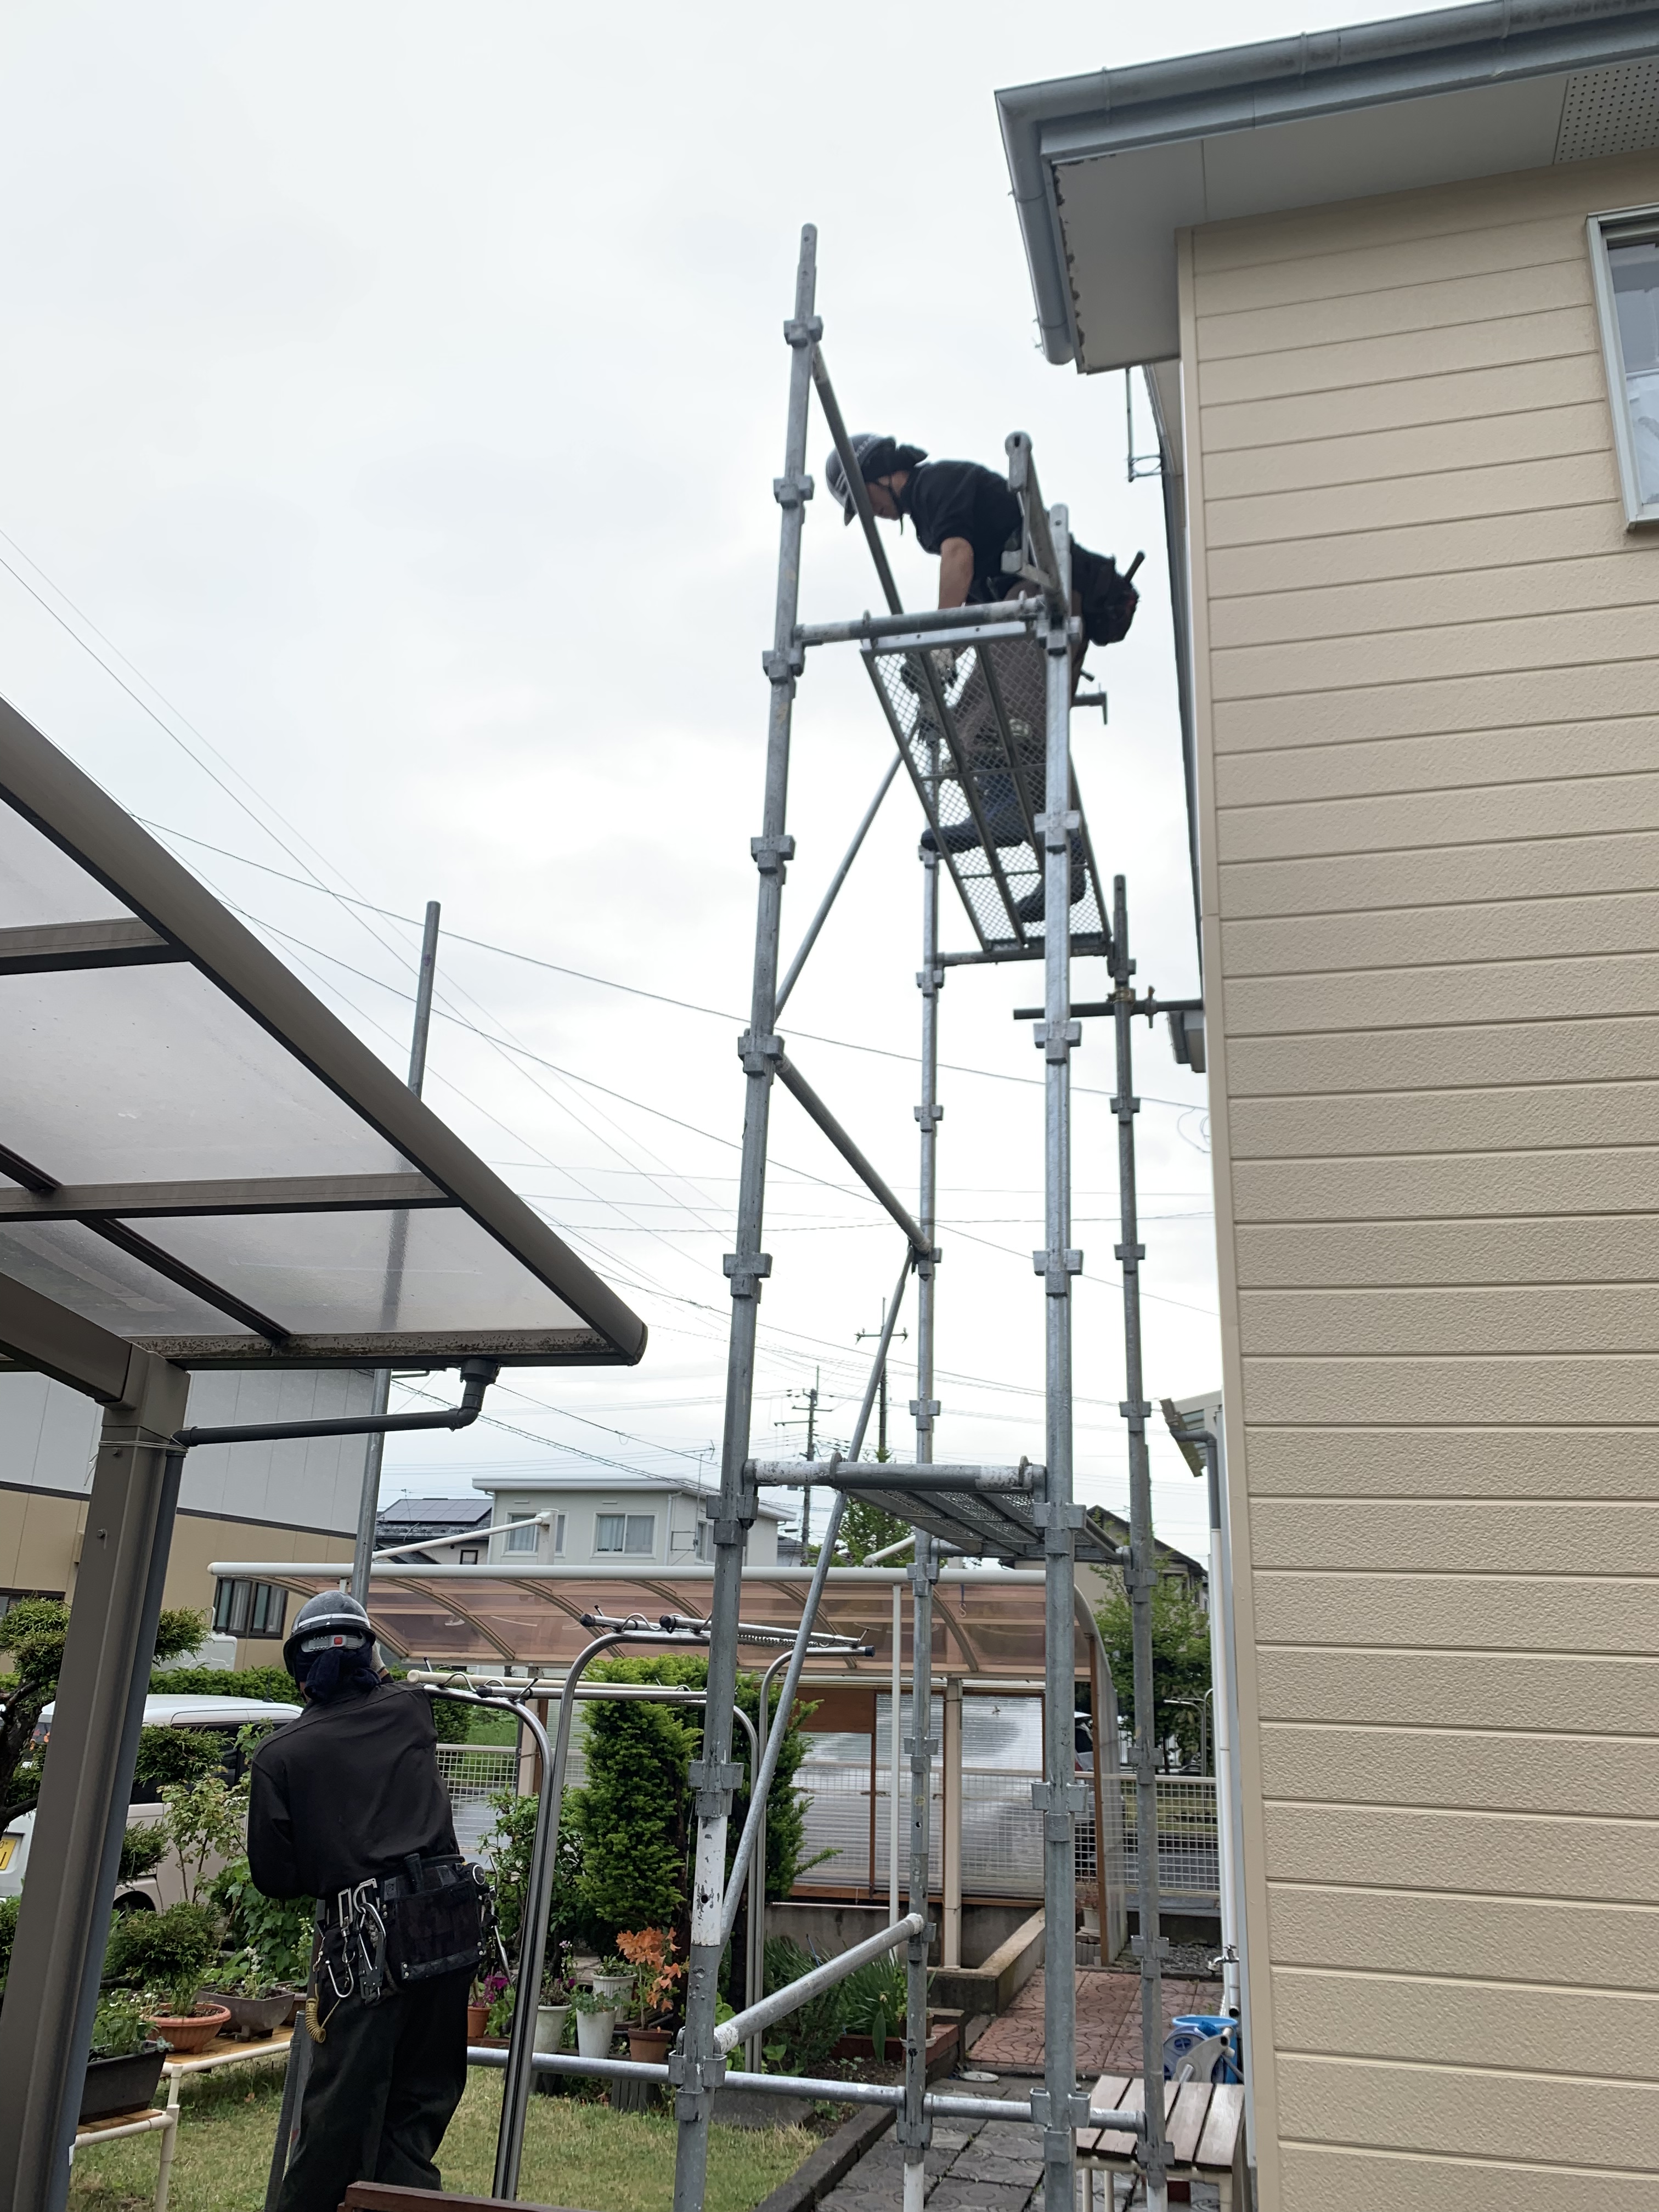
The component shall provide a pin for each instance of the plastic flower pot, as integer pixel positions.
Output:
(593, 2032)
(186, 2033)
(550, 2026)
(612, 1985)
(254, 2017)
(121, 2085)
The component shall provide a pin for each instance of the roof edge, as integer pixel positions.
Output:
(1279, 81)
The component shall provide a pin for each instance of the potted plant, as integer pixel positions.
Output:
(596, 2022)
(257, 2003)
(126, 2064)
(612, 1977)
(552, 2012)
(166, 1954)
(477, 2010)
(651, 1953)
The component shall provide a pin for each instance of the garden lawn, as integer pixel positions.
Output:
(574, 2154)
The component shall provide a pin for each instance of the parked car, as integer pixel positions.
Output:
(222, 1717)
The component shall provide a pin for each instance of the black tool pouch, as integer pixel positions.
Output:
(1108, 600)
(435, 1925)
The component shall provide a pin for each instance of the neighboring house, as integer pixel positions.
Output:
(285, 1501)
(643, 1520)
(1397, 290)
(415, 1519)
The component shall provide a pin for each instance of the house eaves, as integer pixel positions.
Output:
(1108, 166)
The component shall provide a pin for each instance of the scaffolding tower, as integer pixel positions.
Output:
(983, 732)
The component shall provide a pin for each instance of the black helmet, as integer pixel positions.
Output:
(876, 456)
(331, 1621)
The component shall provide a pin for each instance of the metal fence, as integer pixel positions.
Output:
(1189, 1850)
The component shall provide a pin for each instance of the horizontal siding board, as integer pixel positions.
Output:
(1487, 1937)
(1469, 2111)
(1402, 606)
(1437, 707)
(1499, 930)
(1461, 1187)
(1314, 2178)
(1581, 637)
(1572, 378)
(1455, 760)
(1364, 458)
(1506, 1855)
(1483, 1690)
(1519, 1118)
(1430, 821)
(1444, 1059)
(1320, 1257)
(1444, 2022)
(1442, 876)
(1438, 304)
(1455, 1537)
(1505, 1319)
(1477, 546)
(1394, 264)
(1519, 487)
(1521, 1614)
(1478, 1391)
(1364, 364)
(1510, 1463)
(1465, 1771)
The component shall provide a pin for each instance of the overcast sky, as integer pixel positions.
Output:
(400, 389)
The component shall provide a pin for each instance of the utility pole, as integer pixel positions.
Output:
(368, 1504)
(809, 1399)
(881, 1402)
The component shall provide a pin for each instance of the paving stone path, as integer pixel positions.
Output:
(1107, 2022)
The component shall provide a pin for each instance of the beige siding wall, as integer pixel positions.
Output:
(1428, 684)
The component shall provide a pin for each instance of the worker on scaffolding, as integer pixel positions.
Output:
(347, 1806)
(968, 517)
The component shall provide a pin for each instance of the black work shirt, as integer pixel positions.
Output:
(346, 1791)
(960, 499)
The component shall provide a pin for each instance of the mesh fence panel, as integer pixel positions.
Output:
(1188, 1851)
(984, 772)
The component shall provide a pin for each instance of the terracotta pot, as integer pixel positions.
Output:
(478, 2020)
(193, 2032)
(649, 2047)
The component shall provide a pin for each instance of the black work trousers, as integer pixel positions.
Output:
(383, 2087)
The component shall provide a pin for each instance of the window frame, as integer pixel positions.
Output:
(1620, 225)
(514, 1524)
(624, 1550)
(255, 1609)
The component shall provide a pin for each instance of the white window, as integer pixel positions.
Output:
(523, 1535)
(558, 1535)
(1625, 256)
(635, 1535)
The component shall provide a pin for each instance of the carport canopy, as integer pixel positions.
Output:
(199, 1160)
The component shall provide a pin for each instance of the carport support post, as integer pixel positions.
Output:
(1056, 2106)
(693, 2068)
(46, 2027)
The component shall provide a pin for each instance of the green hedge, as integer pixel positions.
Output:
(271, 1685)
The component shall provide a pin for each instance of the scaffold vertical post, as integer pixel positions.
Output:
(695, 2070)
(1058, 1792)
(1141, 1574)
(913, 2127)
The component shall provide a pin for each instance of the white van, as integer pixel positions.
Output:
(222, 1717)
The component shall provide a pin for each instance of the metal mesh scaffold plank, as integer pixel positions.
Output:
(980, 776)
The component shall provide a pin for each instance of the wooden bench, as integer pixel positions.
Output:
(387, 2197)
(1203, 2122)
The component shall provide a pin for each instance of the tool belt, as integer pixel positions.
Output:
(434, 1917)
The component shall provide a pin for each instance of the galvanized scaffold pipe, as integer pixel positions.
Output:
(1058, 2106)
(697, 2071)
(1142, 1573)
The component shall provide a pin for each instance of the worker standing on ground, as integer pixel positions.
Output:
(347, 1806)
(967, 516)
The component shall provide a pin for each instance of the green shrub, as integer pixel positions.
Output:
(272, 1684)
(877, 1986)
(166, 1953)
(8, 1934)
(169, 1756)
(509, 1846)
(632, 1815)
(276, 1931)
(142, 1848)
(121, 2025)
(801, 2042)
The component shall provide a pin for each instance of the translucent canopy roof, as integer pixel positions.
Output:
(197, 1158)
(987, 1625)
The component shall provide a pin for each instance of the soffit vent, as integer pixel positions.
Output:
(1609, 110)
